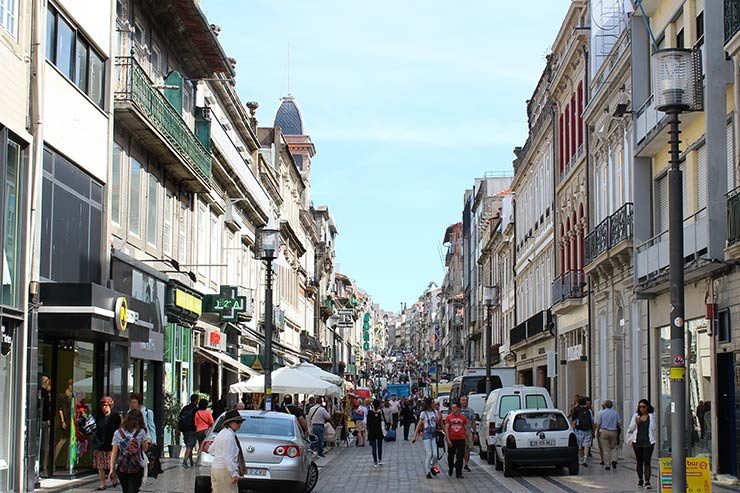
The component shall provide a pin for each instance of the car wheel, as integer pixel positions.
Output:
(202, 484)
(508, 467)
(312, 478)
(491, 455)
(573, 468)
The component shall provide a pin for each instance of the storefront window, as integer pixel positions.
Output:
(699, 387)
(6, 432)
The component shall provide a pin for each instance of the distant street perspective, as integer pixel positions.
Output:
(370, 246)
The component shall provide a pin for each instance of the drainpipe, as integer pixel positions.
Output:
(588, 194)
(24, 460)
(736, 111)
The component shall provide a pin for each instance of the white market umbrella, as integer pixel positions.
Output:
(288, 380)
(315, 371)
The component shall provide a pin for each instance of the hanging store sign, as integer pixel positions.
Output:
(151, 350)
(6, 338)
(214, 339)
(346, 318)
(188, 302)
(228, 304)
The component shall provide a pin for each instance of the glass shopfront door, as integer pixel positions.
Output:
(70, 367)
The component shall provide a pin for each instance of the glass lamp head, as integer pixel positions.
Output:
(673, 72)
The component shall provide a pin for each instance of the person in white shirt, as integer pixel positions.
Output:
(395, 410)
(318, 416)
(227, 455)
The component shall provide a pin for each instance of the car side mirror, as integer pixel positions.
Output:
(313, 439)
(477, 417)
(446, 403)
(499, 429)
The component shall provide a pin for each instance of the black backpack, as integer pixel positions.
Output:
(186, 422)
(583, 419)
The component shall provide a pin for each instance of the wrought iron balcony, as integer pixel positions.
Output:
(135, 91)
(568, 286)
(597, 241)
(732, 19)
(536, 324)
(610, 232)
(733, 216)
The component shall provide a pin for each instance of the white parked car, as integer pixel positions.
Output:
(499, 403)
(535, 438)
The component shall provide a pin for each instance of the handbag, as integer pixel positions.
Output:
(154, 468)
(329, 432)
(241, 464)
(382, 427)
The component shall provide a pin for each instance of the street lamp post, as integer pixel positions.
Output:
(332, 323)
(267, 250)
(488, 301)
(675, 83)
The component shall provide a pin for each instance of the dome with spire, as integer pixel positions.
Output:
(288, 117)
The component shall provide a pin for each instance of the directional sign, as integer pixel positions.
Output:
(228, 304)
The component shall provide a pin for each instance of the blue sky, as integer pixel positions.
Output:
(406, 101)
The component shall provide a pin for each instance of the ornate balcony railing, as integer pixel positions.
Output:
(733, 217)
(732, 18)
(610, 232)
(134, 86)
(597, 241)
(569, 285)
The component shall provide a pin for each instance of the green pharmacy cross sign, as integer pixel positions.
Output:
(228, 304)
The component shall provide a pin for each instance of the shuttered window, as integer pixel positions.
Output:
(701, 178)
(731, 178)
(661, 204)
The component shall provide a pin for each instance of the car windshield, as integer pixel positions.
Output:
(262, 425)
(536, 422)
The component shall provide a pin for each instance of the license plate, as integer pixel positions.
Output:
(252, 471)
(542, 443)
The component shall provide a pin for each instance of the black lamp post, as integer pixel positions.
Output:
(488, 301)
(268, 244)
(332, 322)
(675, 84)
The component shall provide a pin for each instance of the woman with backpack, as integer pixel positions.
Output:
(375, 435)
(129, 446)
(427, 429)
(107, 424)
(203, 421)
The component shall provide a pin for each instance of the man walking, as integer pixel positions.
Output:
(584, 426)
(289, 408)
(395, 410)
(607, 426)
(186, 425)
(471, 429)
(455, 425)
(318, 416)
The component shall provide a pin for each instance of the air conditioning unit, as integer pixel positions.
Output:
(232, 218)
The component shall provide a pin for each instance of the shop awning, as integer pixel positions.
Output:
(227, 361)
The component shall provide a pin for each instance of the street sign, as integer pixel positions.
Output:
(697, 475)
(346, 318)
(365, 336)
(366, 346)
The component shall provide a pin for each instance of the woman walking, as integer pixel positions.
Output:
(375, 432)
(427, 429)
(129, 444)
(641, 434)
(203, 421)
(108, 423)
(407, 418)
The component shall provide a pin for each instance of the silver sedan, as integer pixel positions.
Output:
(277, 453)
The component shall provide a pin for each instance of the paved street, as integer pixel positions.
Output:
(351, 470)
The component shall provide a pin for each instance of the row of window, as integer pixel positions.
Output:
(71, 52)
(533, 289)
(9, 16)
(570, 128)
(536, 195)
(572, 251)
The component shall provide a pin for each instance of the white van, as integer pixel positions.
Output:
(500, 402)
(473, 381)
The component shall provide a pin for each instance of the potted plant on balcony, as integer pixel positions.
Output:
(172, 410)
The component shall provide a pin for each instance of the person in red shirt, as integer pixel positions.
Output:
(455, 426)
(203, 421)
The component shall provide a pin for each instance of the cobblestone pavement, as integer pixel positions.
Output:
(350, 469)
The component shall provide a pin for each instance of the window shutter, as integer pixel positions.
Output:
(731, 178)
(167, 224)
(701, 178)
(662, 204)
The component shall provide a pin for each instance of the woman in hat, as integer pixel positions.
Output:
(228, 456)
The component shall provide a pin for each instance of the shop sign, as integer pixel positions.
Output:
(346, 318)
(574, 353)
(124, 315)
(697, 475)
(215, 339)
(228, 304)
(6, 339)
(552, 368)
(151, 350)
(188, 302)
